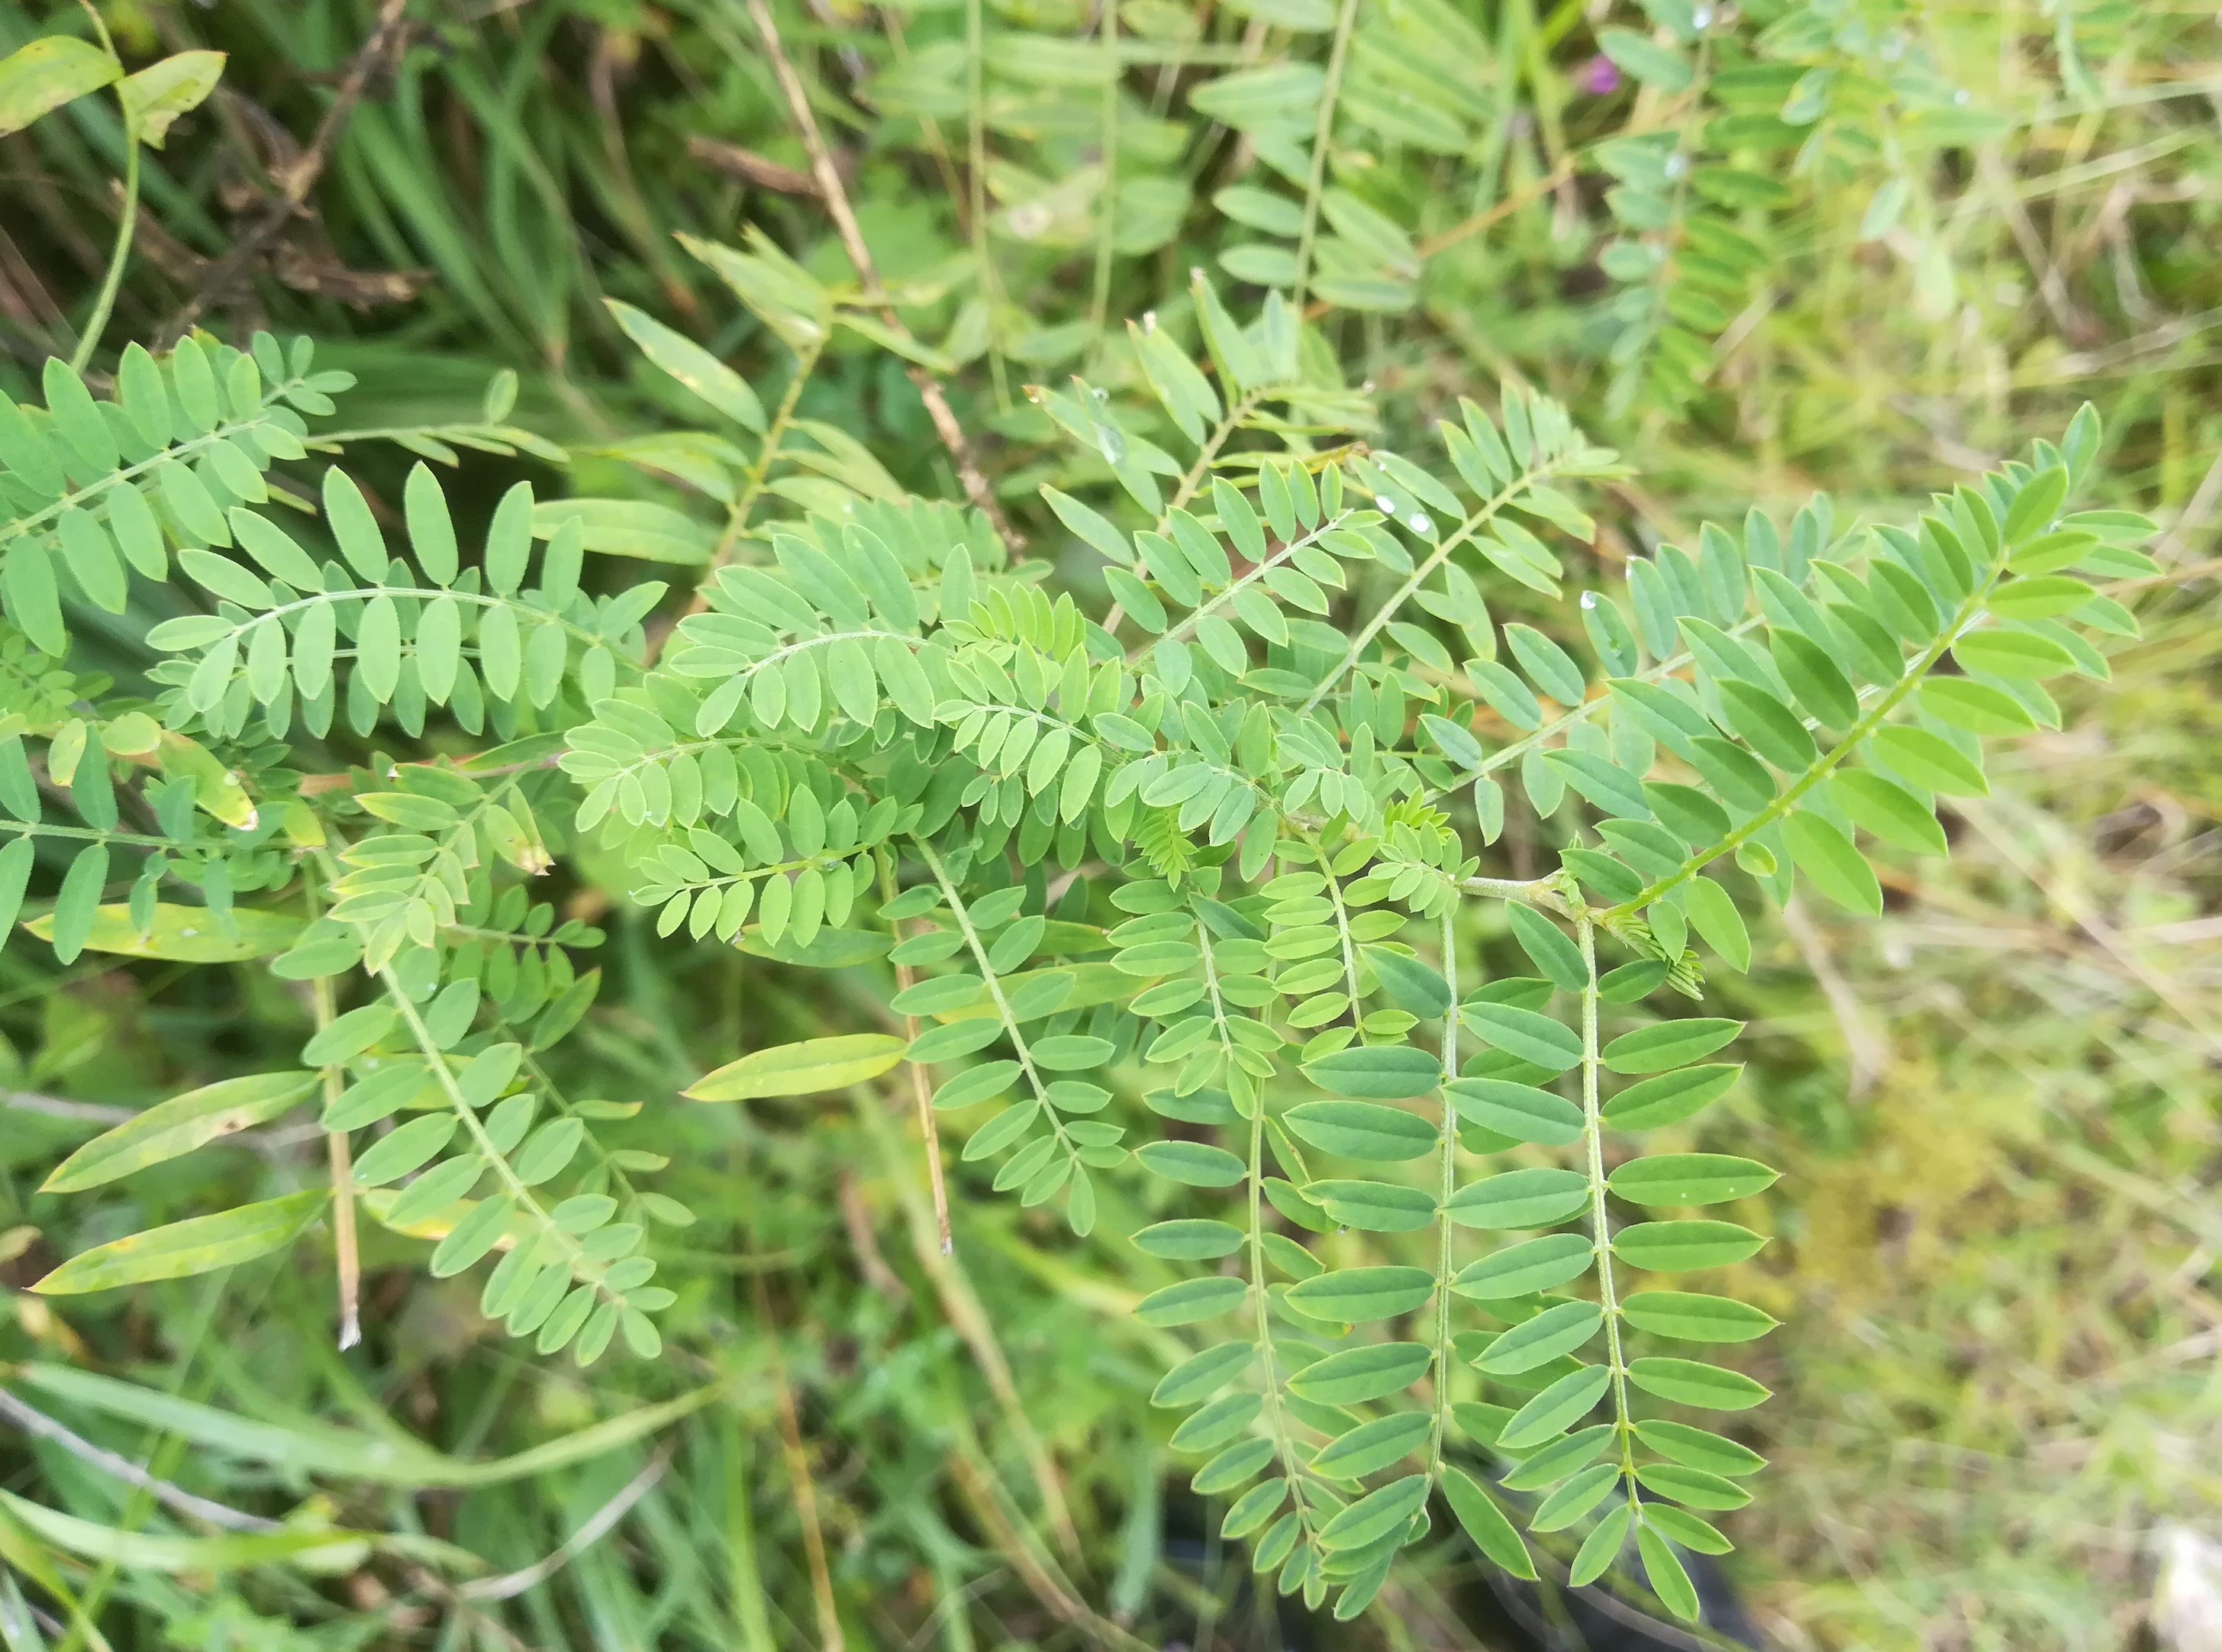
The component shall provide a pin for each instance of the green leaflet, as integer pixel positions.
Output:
(1530, 1266)
(1358, 1375)
(1520, 1111)
(1668, 1044)
(1363, 1129)
(1689, 1179)
(1350, 1295)
(1388, 1071)
(1692, 1316)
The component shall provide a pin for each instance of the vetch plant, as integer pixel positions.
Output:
(1174, 872)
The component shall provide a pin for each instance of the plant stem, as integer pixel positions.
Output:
(1322, 134)
(1448, 1186)
(975, 196)
(1108, 218)
(1593, 1169)
(979, 950)
(921, 1084)
(347, 1253)
(1238, 411)
(96, 322)
(1261, 1306)
(737, 519)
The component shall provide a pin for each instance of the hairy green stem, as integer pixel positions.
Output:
(979, 950)
(737, 519)
(1600, 1230)
(1284, 1448)
(1238, 414)
(1447, 1185)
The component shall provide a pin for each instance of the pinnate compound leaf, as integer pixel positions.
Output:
(1712, 913)
(1693, 1486)
(1416, 987)
(1520, 1111)
(1555, 1331)
(1602, 1547)
(1523, 1269)
(1191, 1300)
(1548, 946)
(2012, 653)
(1699, 1447)
(1533, 1198)
(1929, 759)
(1202, 1374)
(1888, 810)
(1376, 1515)
(1551, 1411)
(1833, 862)
(691, 365)
(1356, 1375)
(1371, 1446)
(1195, 1163)
(1683, 1247)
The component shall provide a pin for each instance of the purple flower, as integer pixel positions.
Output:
(1599, 76)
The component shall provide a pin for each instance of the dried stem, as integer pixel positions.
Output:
(295, 181)
(852, 239)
